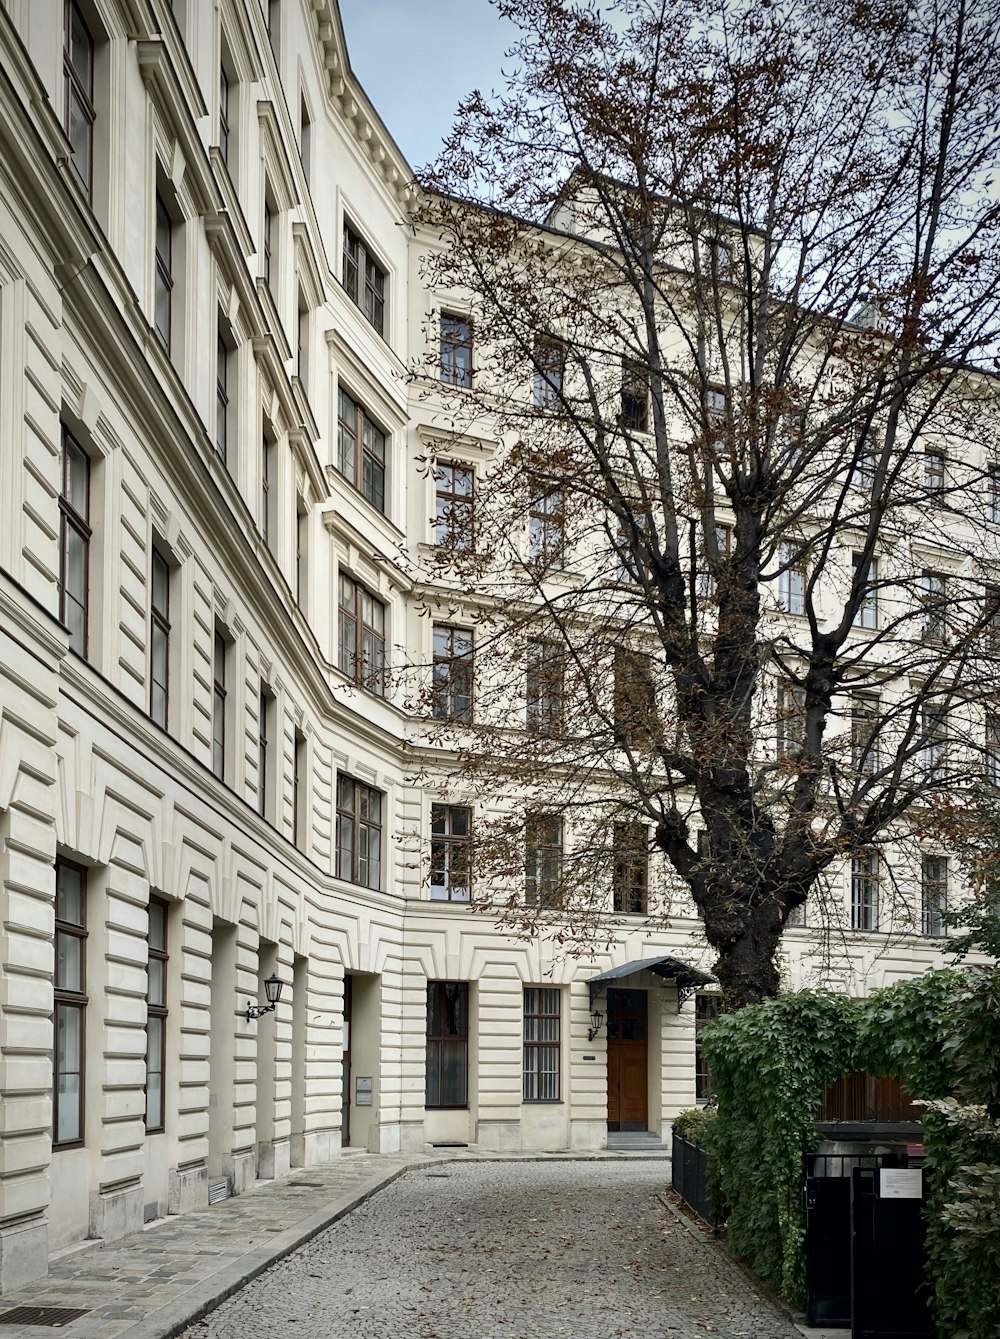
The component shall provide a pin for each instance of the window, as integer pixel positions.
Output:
(635, 722)
(864, 463)
(163, 282)
(864, 733)
(78, 95)
(267, 240)
(992, 758)
(299, 797)
(791, 722)
(159, 639)
(864, 891)
(707, 583)
(933, 594)
(993, 494)
(934, 476)
(454, 505)
(635, 399)
(866, 614)
(70, 1003)
(934, 893)
(791, 580)
(456, 350)
(224, 100)
(219, 705)
(706, 1007)
(305, 139)
(447, 1044)
(547, 528)
(541, 1044)
(543, 862)
(716, 410)
(156, 1014)
(631, 867)
(301, 553)
(452, 675)
(265, 700)
(360, 450)
(546, 687)
(302, 343)
(934, 746)
(74, 542)
(717, 259)
(361, 636)
(991, 602)
(359, 833)
(364, 279)
(267, 454)
(222, 377)
(274, 27)
(451, 852)
(549, 372)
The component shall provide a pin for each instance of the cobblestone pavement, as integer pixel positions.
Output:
(512, 1250)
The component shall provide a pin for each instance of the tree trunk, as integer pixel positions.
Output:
(747, 965)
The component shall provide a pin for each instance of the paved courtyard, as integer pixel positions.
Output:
(484, 1250)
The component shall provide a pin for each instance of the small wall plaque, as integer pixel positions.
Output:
(362, 1092)
(590, 1057)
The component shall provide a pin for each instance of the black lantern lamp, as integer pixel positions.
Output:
(596, 1020)
(272, 989)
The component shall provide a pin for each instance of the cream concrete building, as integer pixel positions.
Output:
(210, 466)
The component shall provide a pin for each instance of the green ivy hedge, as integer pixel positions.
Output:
(770, 1065)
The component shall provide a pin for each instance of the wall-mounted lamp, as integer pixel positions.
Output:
(272, 989)
(596, 1020)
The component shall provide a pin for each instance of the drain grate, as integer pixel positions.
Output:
(42, 1315)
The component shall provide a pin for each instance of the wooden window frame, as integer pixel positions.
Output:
(934, 601)
(935, 476)
(67, 998)
(163, 282)
(867, 614)
(366, 471)
(548, 372)
(351, 819)
(264, 699)
(707, 1005)
(545, 688)
(456, 337)
(547, 528)
(225, 94)
(439, 1039)
(451, 852)
(536, 1046)
(299, 772)
(158, 1010)
(364, 279)
(544, 838)
(159, 637)
(79, 91)
(865, 707)
(635, 719)
(933, 894)
(220, 653)
(454, 510)
(865, 892)
(630, 872)
(452, 674)
(71, 520)
(223, 353)
(353, 647)
(634, 415)
(792, 581)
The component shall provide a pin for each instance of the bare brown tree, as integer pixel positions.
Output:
(726, 288)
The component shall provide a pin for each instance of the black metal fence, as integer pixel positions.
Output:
(691, 1179)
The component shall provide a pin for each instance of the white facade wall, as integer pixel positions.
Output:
(86, 775)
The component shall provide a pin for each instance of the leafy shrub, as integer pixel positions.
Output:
(694, 1124)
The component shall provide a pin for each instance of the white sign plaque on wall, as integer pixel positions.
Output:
(362, 1092)
(900, 1183)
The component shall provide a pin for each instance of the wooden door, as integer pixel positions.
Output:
(627, 1060)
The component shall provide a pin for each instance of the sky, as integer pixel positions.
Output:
(417, 58)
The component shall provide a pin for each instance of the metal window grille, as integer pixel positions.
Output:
(447, 1044)
(541, 1065)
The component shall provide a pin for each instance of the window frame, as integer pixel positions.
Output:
(545, 688)
(456, 335)
(356, 428)
(452, 674)
(265, 697)
(300, 770)
(454, 511)
(79, 93)
(548, 357)
(364, 279)
(438, 1039)
(933, 894)
(451, 851)
(547, 528)
(159, 637)
(536, 1047)
(543, 860)
(163, 274)
(635, 718)
(865, 892)
(220, 656)
(934, 601)
(350, 818)
(707, 1006)
(865, 744)
(866, 615)
(223, 354)
(634, 405)
(158, 1011)
(65, 998)
(71, 520)
(354, 615)
(225, 96)
(630, 869)
(792, 580)
(935, 475)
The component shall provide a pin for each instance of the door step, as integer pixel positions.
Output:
(635, 1140)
